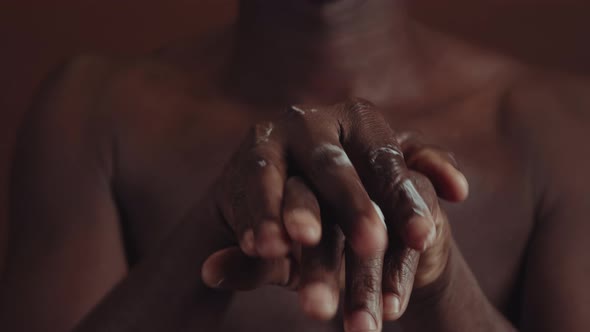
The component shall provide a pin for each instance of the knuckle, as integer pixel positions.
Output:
(359, 110)
(388, 151)
(262, 132)
(301, 111)
(358, 105)
(387, 160)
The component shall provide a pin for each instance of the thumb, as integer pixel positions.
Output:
(231, 269)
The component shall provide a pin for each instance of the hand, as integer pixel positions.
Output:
(274, 213)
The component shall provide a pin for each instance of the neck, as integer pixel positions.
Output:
(324, 51)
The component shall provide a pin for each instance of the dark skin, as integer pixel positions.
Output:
(115, 156)
(335, 159)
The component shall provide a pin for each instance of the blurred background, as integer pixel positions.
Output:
(36, 35)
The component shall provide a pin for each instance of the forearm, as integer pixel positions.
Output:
(165, 292)
(453, 303)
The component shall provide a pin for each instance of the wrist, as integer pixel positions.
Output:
(452, 302)
(432, 286)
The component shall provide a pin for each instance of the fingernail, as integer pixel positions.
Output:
(361, 321)
(391, 305)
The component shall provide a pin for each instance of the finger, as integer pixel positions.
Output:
(399, 271)
(250, 193)
(439, 165)
(231, 196)
(264, 200)
(301, 213)
(363, 302)
(231, 269)
(433, 261)
(401, 263)
(314, 143)
(320, 275)
(378, 157)
(265, 180)
(449, 182)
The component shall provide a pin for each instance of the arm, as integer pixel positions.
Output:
(556, 292)
(556, 296)
(66, 259)
(454, 302)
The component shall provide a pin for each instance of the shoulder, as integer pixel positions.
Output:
(546, 95)
(73, 82)
(124, 91)
(548, 107)
(64, 105)
(71, 113)
(108, 93)
(109, 85)
(548, 116)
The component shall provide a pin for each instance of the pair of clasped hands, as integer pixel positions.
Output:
(328, 198)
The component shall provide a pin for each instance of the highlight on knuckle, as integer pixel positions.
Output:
(386, 160)
(262, 132)
(301, 111)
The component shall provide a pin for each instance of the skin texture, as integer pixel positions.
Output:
(111, 184)
(328, 146)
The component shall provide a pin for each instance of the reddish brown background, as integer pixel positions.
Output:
(37, 34)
